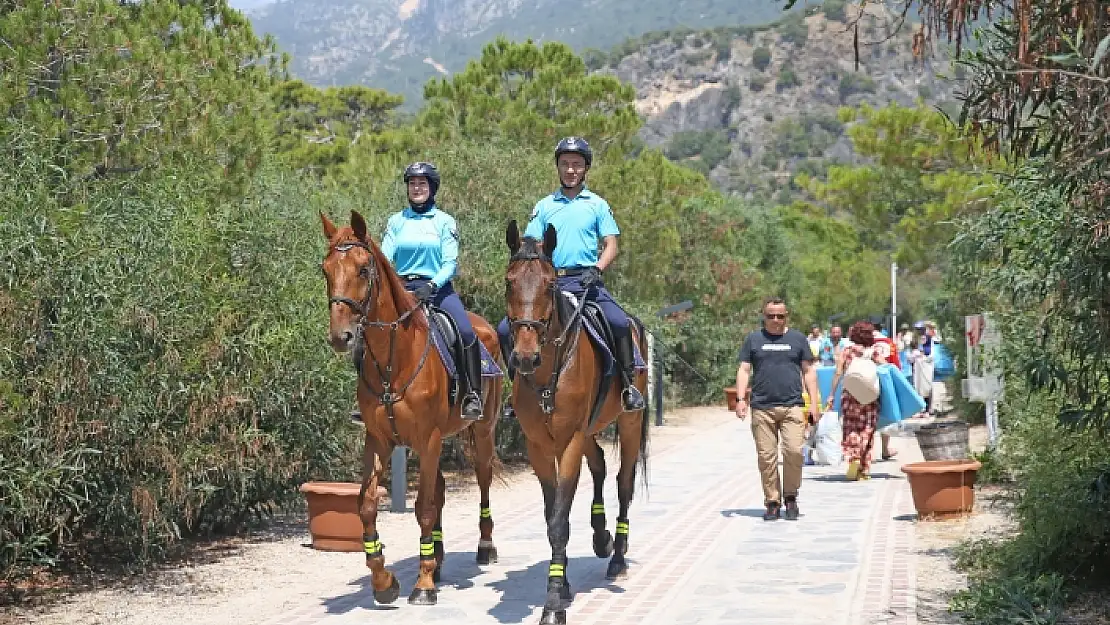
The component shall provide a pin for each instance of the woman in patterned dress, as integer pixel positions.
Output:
(858, 421)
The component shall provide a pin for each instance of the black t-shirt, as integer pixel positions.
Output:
(776, 367)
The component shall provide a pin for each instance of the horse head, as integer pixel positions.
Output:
(530, 296)
(351, 271)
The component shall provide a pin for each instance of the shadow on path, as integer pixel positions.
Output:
(459, 570)
(524, 590)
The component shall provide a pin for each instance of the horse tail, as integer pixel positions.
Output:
(645, 421)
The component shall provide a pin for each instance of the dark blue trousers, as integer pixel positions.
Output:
(447, 299)
(617, 318)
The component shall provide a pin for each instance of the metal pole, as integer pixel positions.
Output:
(992, 423)
(658, 360)
(398, 479)
(893, 299)
(650, 369)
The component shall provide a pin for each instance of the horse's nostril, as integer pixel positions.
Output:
(347, 336)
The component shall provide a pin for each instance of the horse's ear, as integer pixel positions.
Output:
(512, 237)
(549, 241)
(329, 227)
(358, 225)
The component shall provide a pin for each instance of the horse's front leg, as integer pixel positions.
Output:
(375, 456)
(558, 531)
(427, 513)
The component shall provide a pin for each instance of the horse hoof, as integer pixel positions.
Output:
(616, 570)
(422, 596)
(603, 544)
(389, 595)
(553, 617)
(487, 555)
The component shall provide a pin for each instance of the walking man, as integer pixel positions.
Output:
(776, 360)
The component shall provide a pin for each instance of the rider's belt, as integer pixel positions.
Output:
(411, 277)
(570, 271)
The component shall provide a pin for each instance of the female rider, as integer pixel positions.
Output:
(422, 242)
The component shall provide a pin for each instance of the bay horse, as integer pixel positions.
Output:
(554, 394)
(403, 396)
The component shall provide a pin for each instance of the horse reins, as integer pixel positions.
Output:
(546, 393)
(389, 394)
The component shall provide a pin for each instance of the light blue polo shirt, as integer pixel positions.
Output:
(424, 245)
(580, 225)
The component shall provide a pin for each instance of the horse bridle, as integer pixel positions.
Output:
(546, 393)
(388, 396)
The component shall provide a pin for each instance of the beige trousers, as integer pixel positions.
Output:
(768, 427)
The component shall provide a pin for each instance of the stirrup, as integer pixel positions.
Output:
(471, 398)
(631, 399)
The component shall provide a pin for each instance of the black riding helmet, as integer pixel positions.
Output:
(575, 145)
(428, 171)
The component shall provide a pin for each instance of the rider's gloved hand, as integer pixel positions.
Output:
(425, 292)
(590, 277)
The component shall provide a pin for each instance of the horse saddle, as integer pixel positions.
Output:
(449, 346)
(601, 336)
(600, 332)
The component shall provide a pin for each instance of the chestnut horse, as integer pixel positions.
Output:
(561, 367)
(403, 397)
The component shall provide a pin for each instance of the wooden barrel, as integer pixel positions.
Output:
(944, 440)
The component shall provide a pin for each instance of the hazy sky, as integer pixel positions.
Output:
(248, 4)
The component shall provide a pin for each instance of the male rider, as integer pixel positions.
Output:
(582, 220)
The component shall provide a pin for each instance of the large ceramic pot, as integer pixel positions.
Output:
(333, 517)
(730, 397)
(942, 489)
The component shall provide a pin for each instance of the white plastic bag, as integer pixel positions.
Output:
(827, 440)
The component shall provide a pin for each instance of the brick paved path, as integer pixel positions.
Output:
(699, 552)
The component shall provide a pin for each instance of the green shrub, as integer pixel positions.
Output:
(835, 10)
(172, 380)
(761, 58)
(795, 30)
(787, 78)
(853, 83)
(757, 82)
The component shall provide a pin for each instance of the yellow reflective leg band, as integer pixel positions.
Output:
(427, 550)
(598, 508)
(437, 536)
(557, 570)
(372, 547)
(485, 513)
(622, 527)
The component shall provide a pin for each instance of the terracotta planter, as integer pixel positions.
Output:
(942, 489)
(730, 397)
(333, 517)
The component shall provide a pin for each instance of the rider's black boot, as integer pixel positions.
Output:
(630, 397)
(472, 367)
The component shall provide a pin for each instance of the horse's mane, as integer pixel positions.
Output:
(401, 297)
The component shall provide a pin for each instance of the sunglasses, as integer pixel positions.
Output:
(774, 316)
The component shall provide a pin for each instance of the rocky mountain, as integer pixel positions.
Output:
(753, 106)
(398, 45)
